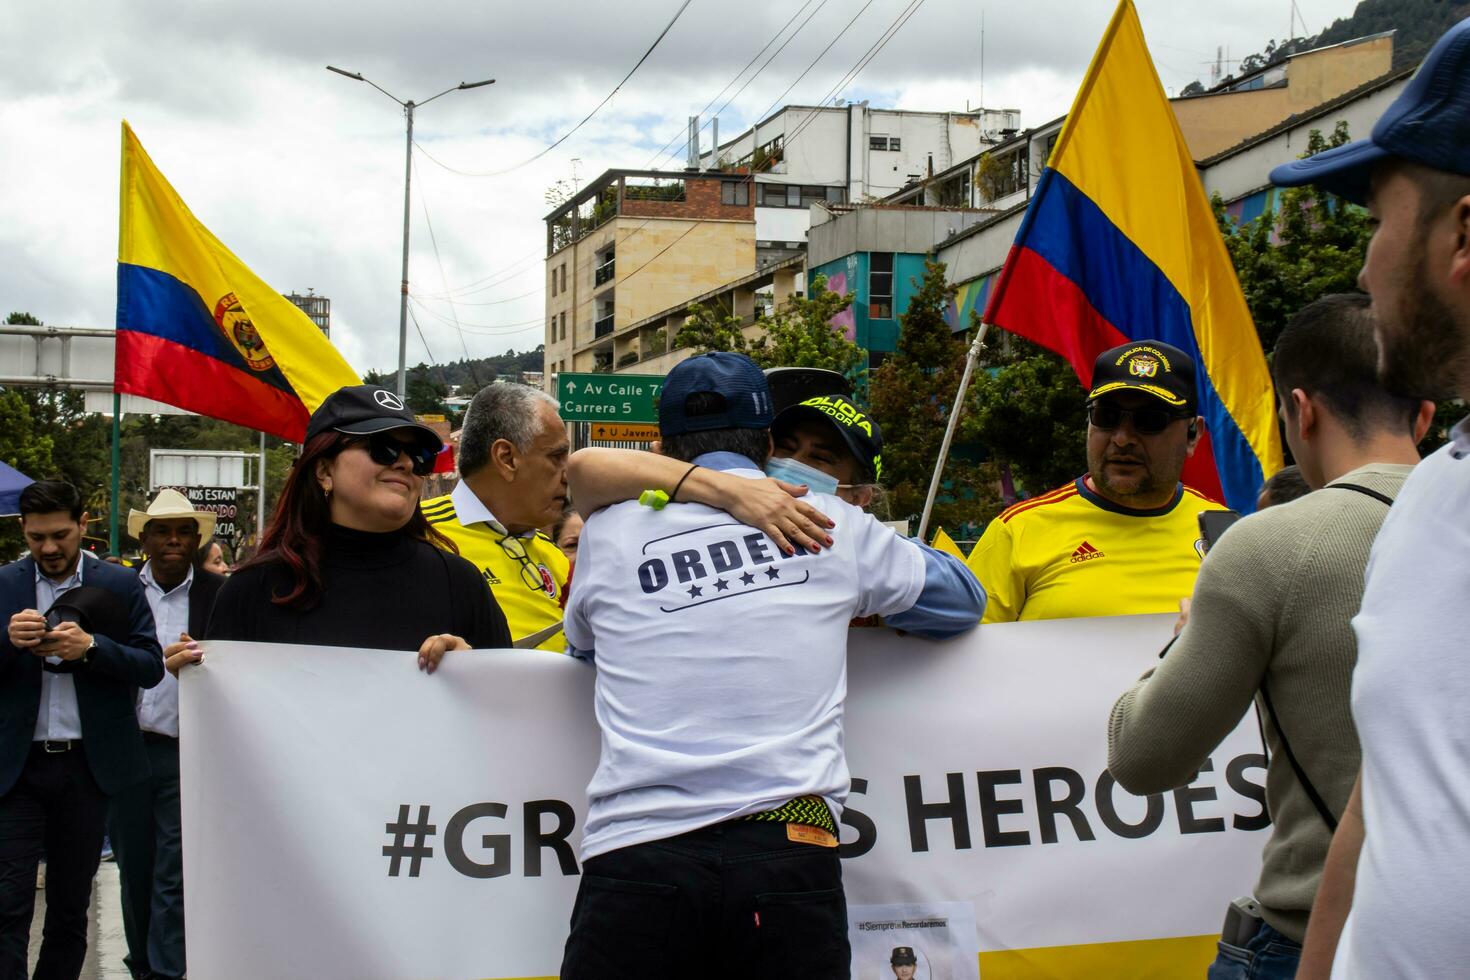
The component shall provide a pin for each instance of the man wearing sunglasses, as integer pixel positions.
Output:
(513, 468)
(1124, 538)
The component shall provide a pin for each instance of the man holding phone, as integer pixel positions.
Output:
(69, 738)
(1270, 621)
(1124, 538)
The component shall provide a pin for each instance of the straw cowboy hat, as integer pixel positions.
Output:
(167, 505)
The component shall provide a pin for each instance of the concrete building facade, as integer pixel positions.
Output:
(804, 155)
(631, 244)
(1241, 107)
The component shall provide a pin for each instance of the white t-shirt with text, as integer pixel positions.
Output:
(721, 663)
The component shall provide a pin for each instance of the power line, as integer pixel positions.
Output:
(468, 290)
(490, 329)
(868, 56)
(502, 276)
(493, 302)
(774, 102)
(563, 138)
(661, 152)
(424, 203)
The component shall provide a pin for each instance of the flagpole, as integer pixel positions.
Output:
(971, 359)
(112, 521)
(260, 498)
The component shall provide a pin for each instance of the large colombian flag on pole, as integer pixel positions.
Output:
(1120, 244)
(198, 330)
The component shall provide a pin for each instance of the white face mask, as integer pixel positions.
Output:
(794, 471)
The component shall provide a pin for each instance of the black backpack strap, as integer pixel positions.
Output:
(1301, 774)
(1366, 491)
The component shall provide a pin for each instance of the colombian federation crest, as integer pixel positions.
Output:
(233, 322)
(1143, 366)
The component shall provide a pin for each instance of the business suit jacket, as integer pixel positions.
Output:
(106, 690)
(201, 600)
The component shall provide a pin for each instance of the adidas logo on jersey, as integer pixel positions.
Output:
(1086, 552)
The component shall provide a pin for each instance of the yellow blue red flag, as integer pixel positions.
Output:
(1120, 244)
(197, 329)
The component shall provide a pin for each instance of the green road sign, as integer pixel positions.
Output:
(609, 397)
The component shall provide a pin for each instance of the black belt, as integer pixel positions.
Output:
(65, 667)
(160, 737)
(52, 746)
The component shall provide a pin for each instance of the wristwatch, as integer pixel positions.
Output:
(90, 651)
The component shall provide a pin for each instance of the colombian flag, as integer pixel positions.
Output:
(198, 330)
(1119, 244)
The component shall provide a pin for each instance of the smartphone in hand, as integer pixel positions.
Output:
(1213, 524)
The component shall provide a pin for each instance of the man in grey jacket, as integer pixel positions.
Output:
(1270, 620)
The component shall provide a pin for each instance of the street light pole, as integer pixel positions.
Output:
(403, 286)
(408, 109)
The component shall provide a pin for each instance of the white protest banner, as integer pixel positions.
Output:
(348, 816)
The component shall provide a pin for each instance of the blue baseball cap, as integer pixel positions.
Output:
(1428, 124)
(743, 397)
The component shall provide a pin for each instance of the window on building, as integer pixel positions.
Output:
(880, 286)
(893, 143)
(563, 277)
(551, 331)
(553, 282)
(877, 142)
(797, 195)
(563, 326)
(736, 192)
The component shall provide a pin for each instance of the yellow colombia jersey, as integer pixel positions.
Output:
(1072, 553)
(527, 610)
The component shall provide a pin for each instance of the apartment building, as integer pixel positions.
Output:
(634, 243)
(804, 155)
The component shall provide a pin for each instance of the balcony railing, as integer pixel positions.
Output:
(604, 273)
(603, 327)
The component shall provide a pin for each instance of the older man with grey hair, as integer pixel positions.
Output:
(513, 481)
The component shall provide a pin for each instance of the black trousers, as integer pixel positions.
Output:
(147, 834)
(735, 900)
(55, 806)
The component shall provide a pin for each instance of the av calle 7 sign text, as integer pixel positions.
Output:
(609, 397)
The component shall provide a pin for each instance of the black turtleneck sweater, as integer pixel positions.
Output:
(379, 591)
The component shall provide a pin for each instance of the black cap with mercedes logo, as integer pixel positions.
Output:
(361, 410)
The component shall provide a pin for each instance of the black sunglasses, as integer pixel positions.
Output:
(383, 449)
(1148, 421)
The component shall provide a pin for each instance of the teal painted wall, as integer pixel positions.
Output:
(850, 274)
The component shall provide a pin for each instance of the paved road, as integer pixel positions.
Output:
(106, 946)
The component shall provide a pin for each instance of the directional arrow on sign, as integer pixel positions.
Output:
(571, 386)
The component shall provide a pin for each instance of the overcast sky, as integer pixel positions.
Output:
(300, 171)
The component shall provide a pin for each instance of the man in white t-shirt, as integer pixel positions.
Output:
(1395, 892)
(711, 839)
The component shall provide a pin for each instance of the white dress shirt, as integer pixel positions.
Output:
(158, 706)
(59, 717)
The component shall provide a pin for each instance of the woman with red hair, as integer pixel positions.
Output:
(348, 559)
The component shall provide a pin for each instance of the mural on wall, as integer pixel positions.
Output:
(837, 282)
(969, 297)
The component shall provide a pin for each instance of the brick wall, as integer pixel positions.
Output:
(701, 200)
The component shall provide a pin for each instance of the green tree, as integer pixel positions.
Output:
(799, 334)
(711, 328)
(1314, 245)
(1026, 408)
(22, 448)
(423, 394)
(911, 395)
